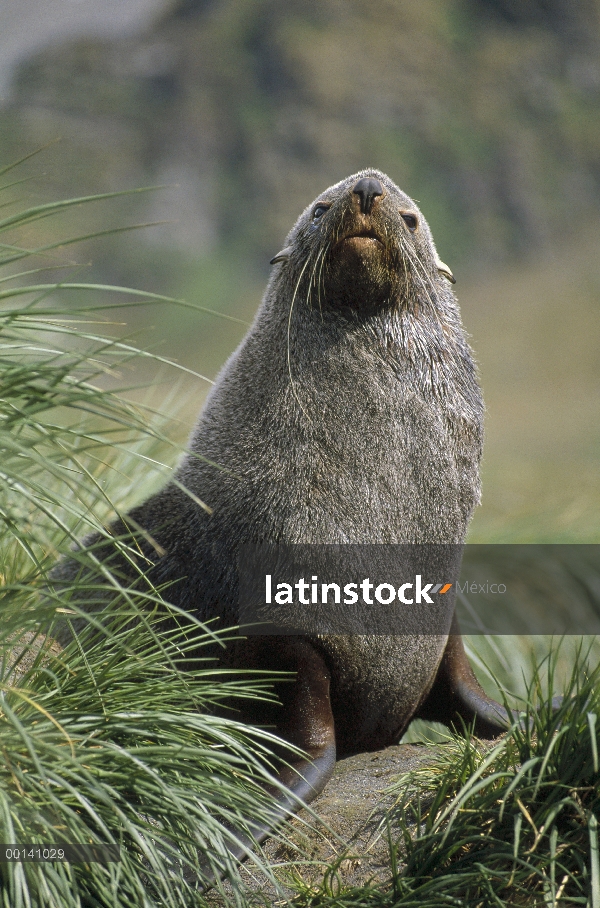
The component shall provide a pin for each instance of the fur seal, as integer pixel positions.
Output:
(350, 413)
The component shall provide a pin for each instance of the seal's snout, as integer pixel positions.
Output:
(367, 189)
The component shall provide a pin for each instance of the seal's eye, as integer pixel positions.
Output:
(410, 221)
(319, 211)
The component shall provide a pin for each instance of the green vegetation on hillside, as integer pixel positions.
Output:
(485, 112)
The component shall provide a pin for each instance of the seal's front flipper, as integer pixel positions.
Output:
(303, 718)
(457, 695)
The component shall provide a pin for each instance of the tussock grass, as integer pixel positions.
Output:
(112, 742)
(511, 823)
(109, 740)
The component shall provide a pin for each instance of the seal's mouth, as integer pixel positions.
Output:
(361, 239)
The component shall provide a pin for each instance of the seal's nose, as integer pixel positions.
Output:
(367, 189)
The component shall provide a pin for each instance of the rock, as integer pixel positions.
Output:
(349, 827)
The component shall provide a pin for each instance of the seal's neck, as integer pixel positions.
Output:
(421, 348)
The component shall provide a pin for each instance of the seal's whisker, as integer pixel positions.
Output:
(312, 283)
(321, 277)
(423, 278)
(314, 280)
(289, 328)
(405, 260)
(439, 367)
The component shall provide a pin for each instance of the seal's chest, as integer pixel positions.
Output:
(389, 472)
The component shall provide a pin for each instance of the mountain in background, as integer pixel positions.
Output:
(485, 111)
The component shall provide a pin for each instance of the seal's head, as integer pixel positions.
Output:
(363, 245)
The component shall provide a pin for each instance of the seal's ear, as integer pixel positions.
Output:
(282, 256)
(443, 269)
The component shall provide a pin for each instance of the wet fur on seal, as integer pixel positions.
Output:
(350, 413)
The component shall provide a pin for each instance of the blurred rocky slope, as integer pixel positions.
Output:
(486, 111)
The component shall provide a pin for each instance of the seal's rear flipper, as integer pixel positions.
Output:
(457, 695)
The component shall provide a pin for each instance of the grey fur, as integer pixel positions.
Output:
(351, 412)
